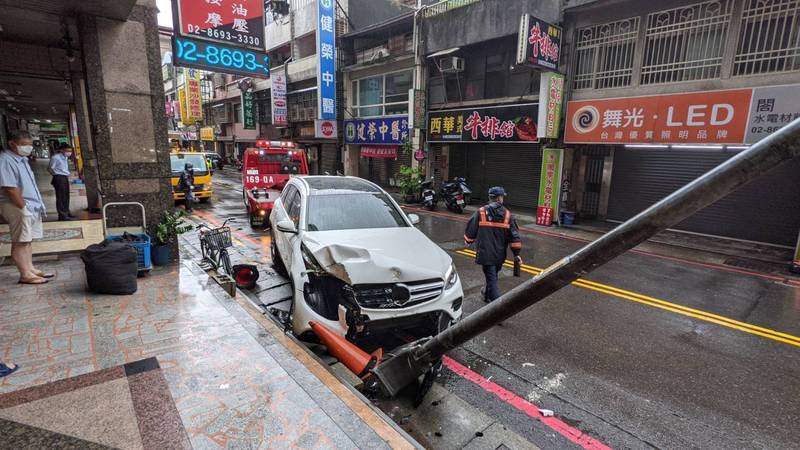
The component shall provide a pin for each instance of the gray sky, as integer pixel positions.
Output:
(164, 13)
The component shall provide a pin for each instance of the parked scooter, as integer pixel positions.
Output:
(453, 196)
(427, 195)
(464, 189)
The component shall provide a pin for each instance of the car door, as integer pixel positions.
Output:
(280, 212)
(293, 212)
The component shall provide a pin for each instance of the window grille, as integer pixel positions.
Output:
(769, 39)
(604, 54)
(686, 43)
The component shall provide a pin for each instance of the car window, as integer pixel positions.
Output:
(286, 194)
(351, 212)
(293, 208)
(177, 162)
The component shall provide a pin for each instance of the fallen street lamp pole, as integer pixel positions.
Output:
(408, 363)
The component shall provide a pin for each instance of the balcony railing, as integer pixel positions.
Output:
(445, 6)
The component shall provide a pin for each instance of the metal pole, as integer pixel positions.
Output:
(404, 368)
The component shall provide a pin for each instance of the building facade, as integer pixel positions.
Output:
(662, 92)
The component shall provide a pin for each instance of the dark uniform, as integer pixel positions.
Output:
(186, 184)
(495, 229)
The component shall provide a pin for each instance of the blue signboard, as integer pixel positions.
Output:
(391, 130)
(326, 60)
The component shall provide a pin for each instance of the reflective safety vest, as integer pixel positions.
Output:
(493, 229)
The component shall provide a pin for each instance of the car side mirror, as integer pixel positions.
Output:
(413, 218)
(286, 226)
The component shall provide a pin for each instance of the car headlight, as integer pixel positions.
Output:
(451, 277)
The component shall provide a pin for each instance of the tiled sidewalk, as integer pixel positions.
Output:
(228, 379)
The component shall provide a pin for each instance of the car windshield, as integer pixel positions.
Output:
(198, 161)
(352, 212)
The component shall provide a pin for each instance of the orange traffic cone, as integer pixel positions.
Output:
(358, 361)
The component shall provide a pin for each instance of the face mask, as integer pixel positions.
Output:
(24, 150)
(67, 154)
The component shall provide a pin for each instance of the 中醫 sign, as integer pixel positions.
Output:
(326, 60)
(239, 23)
(280, 109)
(735, 116)
(510, 123)
(539, 43)
(549, 186)
(551, 95)
(248, 110)
(391, 130)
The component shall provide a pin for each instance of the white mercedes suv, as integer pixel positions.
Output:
(357, 263)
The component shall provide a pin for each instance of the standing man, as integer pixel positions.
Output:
(21, 205)
(494, 229)
(59, 169)
(186, 185)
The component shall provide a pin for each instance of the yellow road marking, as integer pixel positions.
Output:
(664, 305)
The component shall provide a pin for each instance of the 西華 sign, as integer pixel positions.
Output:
(326, 59)
(539, 43)
(510, 123)
(735, 116)
(239, 23)
(549, 186)
(391, 130)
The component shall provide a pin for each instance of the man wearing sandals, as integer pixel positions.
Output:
(21, 205)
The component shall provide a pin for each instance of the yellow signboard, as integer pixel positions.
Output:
(182, 105)
(207, 134)
(189, 98)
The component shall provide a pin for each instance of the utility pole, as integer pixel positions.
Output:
(413, 360)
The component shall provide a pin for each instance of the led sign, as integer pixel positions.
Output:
(214, 57)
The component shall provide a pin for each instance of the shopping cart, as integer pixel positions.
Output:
(134, 236)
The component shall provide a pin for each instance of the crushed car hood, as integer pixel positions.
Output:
(377, 255)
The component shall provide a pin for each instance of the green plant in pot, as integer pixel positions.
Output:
(167, 231)
(408, 180)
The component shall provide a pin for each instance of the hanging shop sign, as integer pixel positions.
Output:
(379, 151)
(510, 123)
(551, 96)
(326, 60)
(248, 110)
(239, 23)
(549, 186)
(418, 108)
(194, 102)
(182, 105)
(539, 43)
(735, 116)
(381, 130)
(207, 134)
(280, 110)
(325, 129)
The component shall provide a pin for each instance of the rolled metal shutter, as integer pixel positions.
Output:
(516, 167)
(457, 156)
(766, 210)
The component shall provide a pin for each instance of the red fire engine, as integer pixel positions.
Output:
(265, 171)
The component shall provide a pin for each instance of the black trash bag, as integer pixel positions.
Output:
(111, 268)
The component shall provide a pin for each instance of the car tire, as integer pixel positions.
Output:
(205, 199)
(277, 262)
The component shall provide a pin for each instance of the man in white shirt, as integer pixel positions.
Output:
(59, 169)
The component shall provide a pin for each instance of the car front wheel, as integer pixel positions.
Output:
(277, 262)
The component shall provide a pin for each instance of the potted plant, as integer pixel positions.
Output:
(167, 232)
(408, 180)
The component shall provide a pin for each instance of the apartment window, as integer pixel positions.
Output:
(604, 54)
(769, 39)
(686, 43)
(237, 112)
(382, 95)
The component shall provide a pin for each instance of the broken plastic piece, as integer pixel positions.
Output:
(546, 412)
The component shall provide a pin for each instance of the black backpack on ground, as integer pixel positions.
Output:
(111, 268)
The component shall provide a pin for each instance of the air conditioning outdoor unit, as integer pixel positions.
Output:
(451, 64)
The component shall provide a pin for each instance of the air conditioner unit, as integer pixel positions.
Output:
(451, 64)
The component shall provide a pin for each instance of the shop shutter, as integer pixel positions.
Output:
(517, 168)
(766, 210)
(458, 161)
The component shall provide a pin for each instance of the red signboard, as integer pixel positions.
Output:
(714, 117)
(236, 22)
(379, 151)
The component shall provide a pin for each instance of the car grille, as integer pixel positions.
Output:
(397, 295)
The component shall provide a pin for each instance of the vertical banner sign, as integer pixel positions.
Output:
(194, 102)
(280, 111)
(549, 186)
(326, 60)
(248, 110)
(419, 109)
(182, 105)
(551, 95)
(538, 44)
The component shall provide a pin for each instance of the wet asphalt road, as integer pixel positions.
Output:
(633, 368)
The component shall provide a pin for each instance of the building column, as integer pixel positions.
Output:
(125, 96)
(351, 159)
(91, 178)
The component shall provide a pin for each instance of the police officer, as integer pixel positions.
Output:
(494, 229)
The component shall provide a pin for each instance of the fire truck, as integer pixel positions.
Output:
(265, 171)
